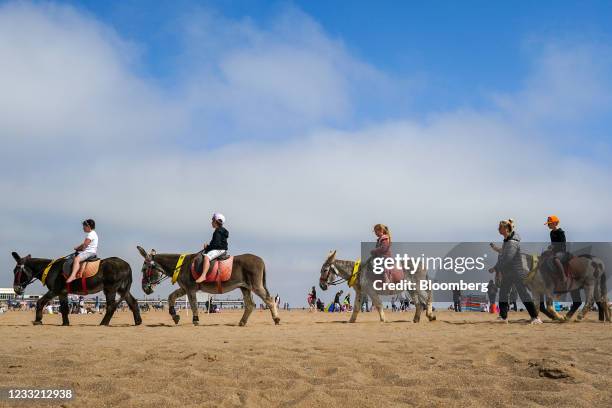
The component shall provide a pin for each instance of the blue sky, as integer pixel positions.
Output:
(463, 48)
(304, 122)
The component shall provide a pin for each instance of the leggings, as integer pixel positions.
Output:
(510, 279)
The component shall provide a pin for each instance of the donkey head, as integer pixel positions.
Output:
(327, 271)
(152, 272)
(23, 274)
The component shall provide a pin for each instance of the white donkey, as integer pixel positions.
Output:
(335, 271)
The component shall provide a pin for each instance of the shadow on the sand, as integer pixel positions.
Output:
(191, 324)
(368, 322)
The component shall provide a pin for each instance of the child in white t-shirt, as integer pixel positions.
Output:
(86, 250)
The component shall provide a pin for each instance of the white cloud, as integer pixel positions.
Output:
(451, 176)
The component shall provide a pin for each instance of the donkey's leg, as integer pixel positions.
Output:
(378, 305)
(356, 305)
(265, 296)
(133, 305)
(588, 303)
(249, 305)
(550, 308)
(193, 303)
(576, 303)
(418, 304)
(541, 301)
(111, 306)
(64, 309)
(429, 310)
(171, 302)
(40, 305)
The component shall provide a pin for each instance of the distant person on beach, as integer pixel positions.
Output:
(337, 305)
(347, 302)
(320, 305)
(217, 245)
(312, 299)
(87, 249)
(456, 300)
(365, 306)
(492, 294)
(510, 265)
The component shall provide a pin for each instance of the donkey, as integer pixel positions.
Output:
(588, 273)
(114, 276)
(248, 274)
(333, 268)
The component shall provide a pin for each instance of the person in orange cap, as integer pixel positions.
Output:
(558, 245)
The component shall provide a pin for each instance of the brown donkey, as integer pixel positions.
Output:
(248, 274)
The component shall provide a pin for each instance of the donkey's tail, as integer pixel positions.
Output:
(263, 278)
(603, 287)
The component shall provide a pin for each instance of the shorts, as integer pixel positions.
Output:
(215, 253)
(85, 255)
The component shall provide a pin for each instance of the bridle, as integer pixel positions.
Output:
(328, 273)
(23, 271)
(148, 273)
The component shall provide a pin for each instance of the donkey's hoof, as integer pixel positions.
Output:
(176, 318)
(352, 320)
(241, 323)
(138, 322)
(65, 324)
(277, 321)
(196, 323)
(37, 322)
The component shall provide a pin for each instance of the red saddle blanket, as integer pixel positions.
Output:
(86, 270)
(219, 271)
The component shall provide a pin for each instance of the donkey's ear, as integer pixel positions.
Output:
(16, 256)
(332, 255)
(28, 257)
(142, 251)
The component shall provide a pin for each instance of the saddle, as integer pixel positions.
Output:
(561, 282)
(390, 275)
(88, 269)
(220, 269)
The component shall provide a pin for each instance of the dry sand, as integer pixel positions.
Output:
(310, 360)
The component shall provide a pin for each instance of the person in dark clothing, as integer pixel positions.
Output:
(320, 305)
(337, 306)
(217, 245)
(558, 244)
(457, 300)
(365, 306)
(510, 265)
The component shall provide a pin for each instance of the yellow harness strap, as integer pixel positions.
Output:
(534, 269)
(177, 269)
(355, 273)
(46, 271)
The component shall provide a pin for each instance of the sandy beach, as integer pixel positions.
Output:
(311, 359)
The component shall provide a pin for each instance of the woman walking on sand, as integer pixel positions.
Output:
(510, 265)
